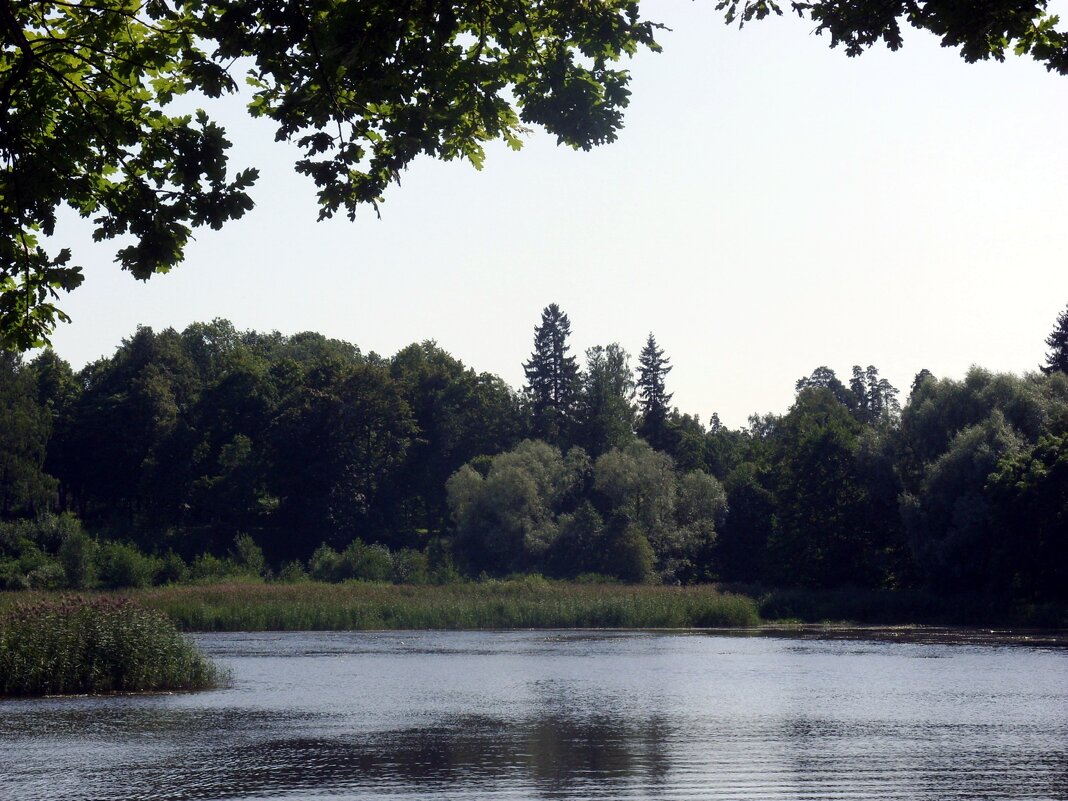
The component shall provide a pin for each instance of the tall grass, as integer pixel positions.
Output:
(519, 603)
(74, 644)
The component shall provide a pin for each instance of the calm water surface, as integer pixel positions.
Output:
(563, 715)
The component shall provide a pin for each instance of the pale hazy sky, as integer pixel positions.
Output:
(771, 206)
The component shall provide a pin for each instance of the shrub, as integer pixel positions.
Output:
(631, 557)
(248, 556)
(47, 532)
(75, 645)
(410, 567)
(11, 576)
(292, 573)
(49, 576)
(173, 569)
(325, 564)
(121, 565)
(365, 562)
(77, 555)
(208, 567)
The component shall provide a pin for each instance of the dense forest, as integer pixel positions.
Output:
(213, 450)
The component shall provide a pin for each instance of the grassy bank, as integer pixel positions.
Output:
(532, 602)
(521, 603)
(72, 645)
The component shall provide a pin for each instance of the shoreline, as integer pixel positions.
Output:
(532, 602)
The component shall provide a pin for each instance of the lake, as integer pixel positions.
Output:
(564, 715)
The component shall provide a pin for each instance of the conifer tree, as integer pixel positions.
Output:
(606, 405)
(1057, 341)
(552, 377)
(653, 397)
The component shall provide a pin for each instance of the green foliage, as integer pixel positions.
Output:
(525, 602)
(459, 415)
(293, 573)
(324, 564)
(208, 567)
(78, 556)
(742, 545)
(961, 532)
(248, 556)
(173, 569)
(410, 567)
(982, 32)
(120, 565)
(820, 537)
(1057, 342)
(24, 432)
(552, 378)
(606, 415)
(1029, 495)
(581, 547)
(350, 435)
(365, 563)
(361, 88)
(183, 444)
(362, 562)
(46, 576)
(75, 645)
(638, 482)
(653, 398)
(506, 521)
(631, 557)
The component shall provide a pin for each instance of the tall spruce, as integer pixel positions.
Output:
(552, 378)
(606, 406)
(1057, 341)
(874, 399)
(653, 397)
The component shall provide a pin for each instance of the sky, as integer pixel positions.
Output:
(770, 206)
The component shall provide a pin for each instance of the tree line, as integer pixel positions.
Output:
(213, 449)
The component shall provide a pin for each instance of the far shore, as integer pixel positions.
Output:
(531, 602)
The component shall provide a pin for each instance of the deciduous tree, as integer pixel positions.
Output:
(980, 31)
(361, 87)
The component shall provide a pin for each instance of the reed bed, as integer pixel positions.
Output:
(76, 645)
(521, 603)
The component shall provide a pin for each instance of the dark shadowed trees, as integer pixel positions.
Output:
(459, 415)
(1029, 494)
(25, 426)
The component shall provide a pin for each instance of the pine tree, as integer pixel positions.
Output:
(552, 377)
(1057, 341)
(653, 397)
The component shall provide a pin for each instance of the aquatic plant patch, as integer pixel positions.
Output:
(74, 644)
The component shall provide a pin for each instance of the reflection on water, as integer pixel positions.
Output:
(563, 716)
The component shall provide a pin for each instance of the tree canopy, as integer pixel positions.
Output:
(362, 87)
(212, 446)
(981, 31)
